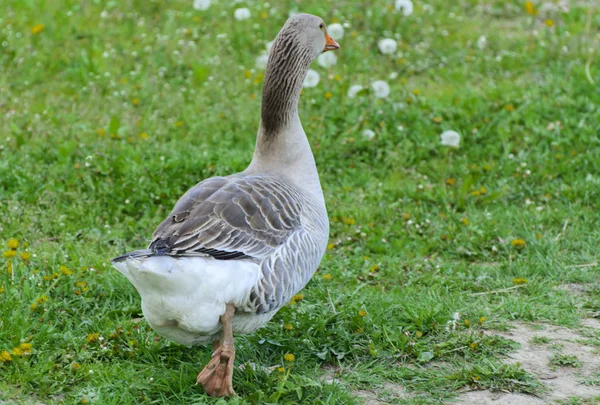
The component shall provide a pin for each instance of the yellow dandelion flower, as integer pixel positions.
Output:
(419, 334)
(16, 352)
(65, 270)
(483, 190)
(75, 366)
(280, 370)
(84, 400)
(519, 280)
(450, 181)
(348, 221)
(330, 246)
(101, 131)
(9, 267)
(477, 378)
(437, 120)
(25, 256)
(518, 243)
(5, 357)
(80, 284)
(26, 347)
(467, 323)
(42, 299)
(33, 306)
(144, 135)
(473, 345)
(92, 337)
(179, 124)
(406, 216)
(337, 78)
(482, 320)
(264, 14)
(288, 326)
(297, 297)
(247, 73)
(362, 313)
(12, 243)
(538, 236)
(9, 253)
(328, 95)
(289, 357)
(549, 23)
(36, 29)
(465, 221)
(374, 268)
(416, 92)
(530, 8)
(509, 107)
(327, 277)
(135, 101)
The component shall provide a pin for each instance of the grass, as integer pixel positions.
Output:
(111, 110)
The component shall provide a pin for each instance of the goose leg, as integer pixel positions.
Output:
(216, 377)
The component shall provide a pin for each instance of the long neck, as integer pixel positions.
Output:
(287, 67)
(281, 145)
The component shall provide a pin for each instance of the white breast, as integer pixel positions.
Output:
(183, 298)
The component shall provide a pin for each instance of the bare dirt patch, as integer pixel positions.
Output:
(556, 356)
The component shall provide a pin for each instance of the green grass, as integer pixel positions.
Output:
(114, 109)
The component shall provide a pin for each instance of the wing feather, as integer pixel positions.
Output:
(231, 218)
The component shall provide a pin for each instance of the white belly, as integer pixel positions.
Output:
(183, 299)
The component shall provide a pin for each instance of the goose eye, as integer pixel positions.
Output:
(321, 25)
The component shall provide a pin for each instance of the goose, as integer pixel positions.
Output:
(235, 249)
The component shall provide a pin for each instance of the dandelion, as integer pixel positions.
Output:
(369, 134)
(16, 352)
(75, 366)
(465, 221)
(509, 107)
(381, 89)
(201, 5)
(518, 243)
(437, 120)
(312, 79)
(406, 6)
(362, 313)
(336, 31)
(261, 61)
(5, 356)
(519, 280)
(530, 8)
(482, 42)
(549, 23)
(327, 277)
(280, 370)
(25, 256)
(327, 59)
(65, 270)
(354, 89)
(388, 46)
(9, 253)
(36, 29)
(450, 138)
(473, 345)
(289, 357)
(482, 320)
(297, 298)
(92, 337)
(12, 243)
(288, 326)
(26, 347)
(241, 14)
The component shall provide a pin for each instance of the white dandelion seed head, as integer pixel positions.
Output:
(354, 89)
(261, 61)
(327, 59)
(336, 31)
(482, 42)
(388, 46)
(312, 79)
(406, 6)
(241, 14)
(450, 138)
(368, 133)
(201, 4)
(381, 89)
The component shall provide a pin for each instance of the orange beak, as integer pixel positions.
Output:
(330, 44)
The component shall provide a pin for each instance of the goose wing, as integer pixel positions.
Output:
(235, 217)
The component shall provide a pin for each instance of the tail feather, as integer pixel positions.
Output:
(133, 255)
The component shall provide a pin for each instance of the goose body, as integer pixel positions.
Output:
(235, 249)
